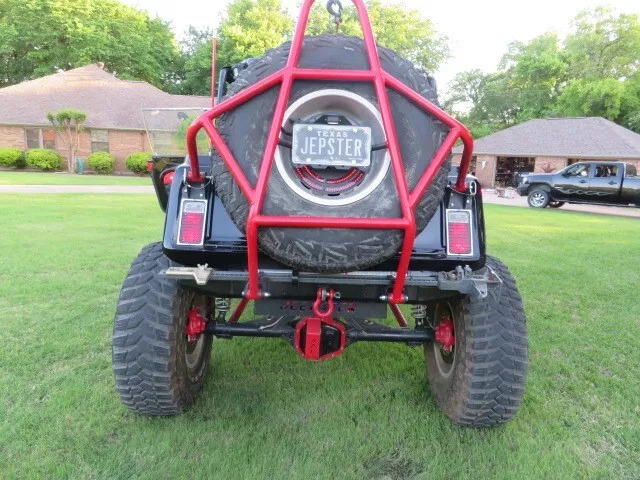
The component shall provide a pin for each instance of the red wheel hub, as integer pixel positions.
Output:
(195, 324)
(445, 334)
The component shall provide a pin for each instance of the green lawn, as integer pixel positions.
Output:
(59, 178)
(266, 413)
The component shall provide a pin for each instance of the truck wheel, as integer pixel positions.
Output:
(477, 365)
(306, 191)
(538, 198)
(157, 370)
(553, 204)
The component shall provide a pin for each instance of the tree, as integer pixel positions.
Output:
(250, 28)
(536, 71)
(594, 72)
(603, 44)
(196, 51)
(69, 123)
(40, 37)
(404, 30)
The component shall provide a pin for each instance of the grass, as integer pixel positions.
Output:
(60, 178)
(266, 413)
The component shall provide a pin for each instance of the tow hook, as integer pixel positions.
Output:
(195, 324)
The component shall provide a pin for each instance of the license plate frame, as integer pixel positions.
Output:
(339, 146)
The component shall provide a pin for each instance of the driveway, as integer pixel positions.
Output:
(489, 196)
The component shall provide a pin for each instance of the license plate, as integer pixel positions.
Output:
(340, 146)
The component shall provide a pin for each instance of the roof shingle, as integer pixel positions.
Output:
(581, 137)
(109, 102)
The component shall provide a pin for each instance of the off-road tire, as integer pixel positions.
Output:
(532, 198)
(487, 380)
(149, 345)
(245, 129)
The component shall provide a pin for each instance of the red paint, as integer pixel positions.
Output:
(459, 238)
(195, 324)
(398, 314)
(191, 228)
(313, 335)
(167, 179)
(445, 334)
(239, 309)
(317, 305)
(285, 77)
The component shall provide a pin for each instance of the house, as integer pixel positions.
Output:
(549, 144)
(113, 106)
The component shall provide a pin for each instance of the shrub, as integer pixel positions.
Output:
(44, 159)
(102, 162)
(137, 162)
(12, 157)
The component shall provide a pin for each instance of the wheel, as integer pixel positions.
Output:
(477, 365)
(357, 192)
(554, 204)
(158, 371)
(538, 198)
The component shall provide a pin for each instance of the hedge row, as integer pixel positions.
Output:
(45, 159)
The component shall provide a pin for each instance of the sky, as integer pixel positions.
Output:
(478, 31)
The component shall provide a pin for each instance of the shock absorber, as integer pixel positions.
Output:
(222, 307)
(419, 314)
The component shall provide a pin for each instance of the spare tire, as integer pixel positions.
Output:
(291, 190)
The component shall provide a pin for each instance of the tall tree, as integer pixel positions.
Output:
(595, 72)
(404, 30)
(603, 44)
(40, 37)
(196, 48)
(250, 28)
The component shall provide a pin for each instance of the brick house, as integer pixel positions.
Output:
(113, 107)
(549, 144)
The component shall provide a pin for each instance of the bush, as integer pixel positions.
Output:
(137, 162)
(101, 162)
(44, 159)
(12, 157)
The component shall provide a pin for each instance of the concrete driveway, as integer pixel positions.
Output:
(489, 196)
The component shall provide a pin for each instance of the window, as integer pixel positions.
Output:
(40, 138)
(578, 170)
(99, 140)
(33, 137)
(606, 171)
(48, 139)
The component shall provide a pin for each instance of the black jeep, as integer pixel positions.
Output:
(321, 195)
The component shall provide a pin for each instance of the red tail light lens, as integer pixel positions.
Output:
(459, 232)
(167, 178)
(192, 216)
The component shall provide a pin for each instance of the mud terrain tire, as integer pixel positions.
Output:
(245, 129)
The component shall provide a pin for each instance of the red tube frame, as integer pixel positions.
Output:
(285, 77)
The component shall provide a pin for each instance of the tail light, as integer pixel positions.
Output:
(192, 222)
(459, 232)
(167, 178)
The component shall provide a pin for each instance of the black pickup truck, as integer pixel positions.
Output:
(601, 183)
